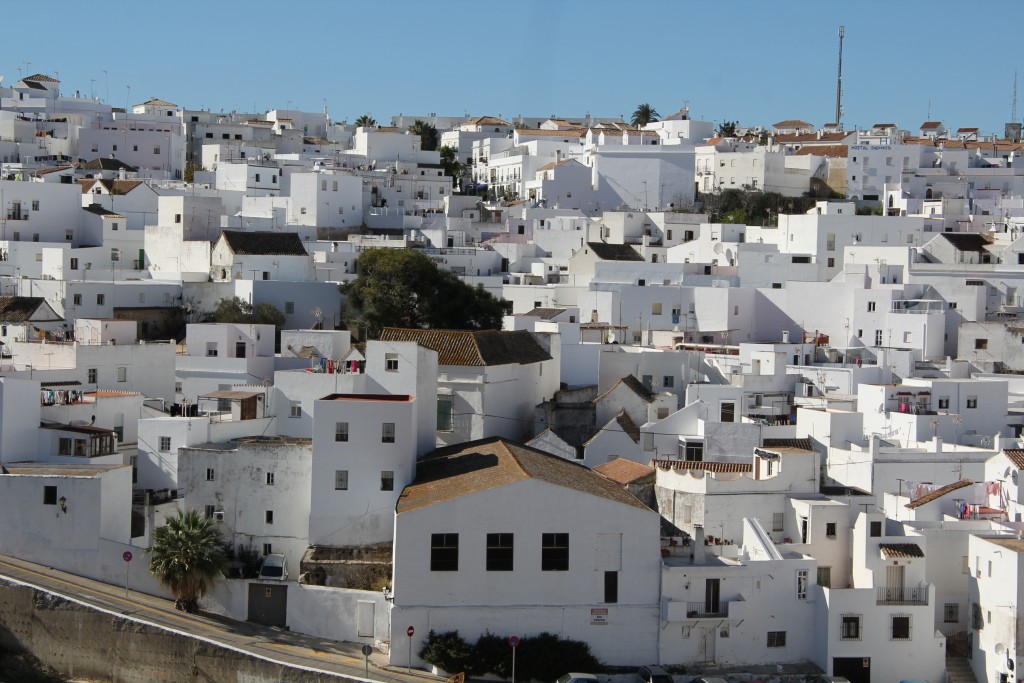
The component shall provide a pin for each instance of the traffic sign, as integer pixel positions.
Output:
(513, 641)
(367, 650)
(126, 556)
(410, 631)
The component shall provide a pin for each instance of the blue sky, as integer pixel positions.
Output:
(756, 61)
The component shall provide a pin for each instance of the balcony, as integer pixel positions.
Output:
(707, 610)
(901, 596)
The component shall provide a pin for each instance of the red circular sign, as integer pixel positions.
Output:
(410, 631)
(126, 556)
(513, 641)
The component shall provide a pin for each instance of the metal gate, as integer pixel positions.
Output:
(268, 604)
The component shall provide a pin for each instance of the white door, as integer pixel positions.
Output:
(364, 618)
(707, 644)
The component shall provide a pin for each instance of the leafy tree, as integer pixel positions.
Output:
(428, 135)
(190, 171)
(643, 115)
(187, 556)
(450, 161)
(405, 288)
(366, 121)
(447, 651)
(235, 310)
(728, 129)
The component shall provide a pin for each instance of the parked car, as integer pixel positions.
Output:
(831, 679)
(711, 679)
(574, 677)
(274, 567)
(653, 674)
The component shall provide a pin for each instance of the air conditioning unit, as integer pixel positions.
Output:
(218, 515)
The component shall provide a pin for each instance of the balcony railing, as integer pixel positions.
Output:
(901, 596)
(706, 610)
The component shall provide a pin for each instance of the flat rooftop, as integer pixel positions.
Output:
(58, 469)
(390, 398)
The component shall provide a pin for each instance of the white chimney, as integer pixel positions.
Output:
(785, 336)
(698, 544)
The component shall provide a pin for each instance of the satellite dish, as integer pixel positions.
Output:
(1, 78)
(1000, 648)
(718, 248)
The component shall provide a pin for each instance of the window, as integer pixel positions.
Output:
(830, 529)
(340, 480)
(122, 374)
(444, 552)
(341, 431)
(965, 567)
(871, 306)
(90, 375)
(876, 529)
(656, 309)
(825, 577)
(801, 584)
(387, 432)
(165, 444)
(270, 478)
(972, 402)
(100, 299)
(289, 307)
(209, 510)
(499, 552)
(951, 613)
(900, 627)
(554, 553)
(49, 495)
(211, 348)
(445, 413)
(35, 204)
(668, 381)
(391, 362)
(850, 627)
(611, 587)
(295, 410)
(944, 403)
(73, 264)
(268, 517)
(387, 480)
(980, 344)
(878, 337)
(210, 475)
(728, 412)
(776, 639)
(64, 446)
(267, 549)
(177, 218)
(778, 519)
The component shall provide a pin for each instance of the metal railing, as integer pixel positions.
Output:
(901, 596)
(706, 610)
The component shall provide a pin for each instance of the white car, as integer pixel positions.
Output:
(274, 567)
(574, 677)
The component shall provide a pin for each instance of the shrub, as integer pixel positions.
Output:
(447, 651)
(545, 657)
(492, 654)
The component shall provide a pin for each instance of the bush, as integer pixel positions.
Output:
(447, 651)
(492, 654)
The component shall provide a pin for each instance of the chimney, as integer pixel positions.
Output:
(698, 544)
(785, 336)
(938, 446)
(558, 155)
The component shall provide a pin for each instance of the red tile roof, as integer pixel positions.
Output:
(624, 471)
(705, 465)
(940, 492)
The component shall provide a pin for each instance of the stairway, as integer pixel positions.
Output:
(958, 670)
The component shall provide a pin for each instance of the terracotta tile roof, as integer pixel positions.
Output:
(545, 313)
(939, 493)
(107, 164)
(835, 151)
(901, 550)
(157, 102)
(1016, 456)
(791, 123)
(101, 211)
(565, 133)
(41, 78)
(59, 470)
(628, 426)
(789, 444)
(966, 130)
(633, 384)
(614, 252)
(52, 169)
(624, 471)
(930, 125)
(19, 309)
(883, 125)
(553, 164)
(257, 122)
(476, 466)
(713, 141)
(244, 243)
(487, 121)
(473, 347)
(966, 241)
(112, 186)
(707, 466)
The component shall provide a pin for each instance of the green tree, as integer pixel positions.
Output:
(190, 171)
(187, 556)
(404, 288)
(643, 115)
(428, 135)
(366, 120)
(450, 161)
(728, 129)
(235, 310)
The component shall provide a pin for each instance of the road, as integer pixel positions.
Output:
(283, 647)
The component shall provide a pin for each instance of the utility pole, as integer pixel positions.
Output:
(839, 80)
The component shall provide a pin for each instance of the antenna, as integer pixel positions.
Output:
(1013, 111)
(839, 80)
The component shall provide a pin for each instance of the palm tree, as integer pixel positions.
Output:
(187, 556)
(428, 135)
(643, 115)
(366, 120)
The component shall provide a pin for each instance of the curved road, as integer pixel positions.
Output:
(290, 649)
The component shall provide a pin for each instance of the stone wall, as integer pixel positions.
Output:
(82, 642)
